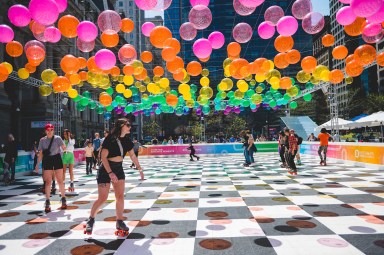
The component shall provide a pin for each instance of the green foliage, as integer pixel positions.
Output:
(151, 128)
(196, 129)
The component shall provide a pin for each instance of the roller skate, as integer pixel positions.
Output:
(292, 172)
(198, 158)
(47, 206)
(88, 227)
(121, 229)
(324, 163)
(71, 187)
(321, 163)
(63, 203)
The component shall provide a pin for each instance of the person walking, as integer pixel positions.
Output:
(34, 154)
(49, 154)
(245, 150)
(192, 153)
(281, 142)
(323, 148)
(89, 157)
(68, 157)
(96, 147)
(115, 147)
(251, 147)
(136, 147)
(293, 147)
(170, 141)
(11, 156)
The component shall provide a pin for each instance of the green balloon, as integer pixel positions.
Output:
(293, 105)
(128, 108)
(84, 101)
(230, 94)
(77, 99)
(100, 110)
(87, 94)
(307, 97)
(286, 97)
(80, 107)
(109, 91)
(309, 85)
(92, 105)
(109, 108)
(245, 103)
(272, 103)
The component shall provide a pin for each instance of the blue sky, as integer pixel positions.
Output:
(321, 6)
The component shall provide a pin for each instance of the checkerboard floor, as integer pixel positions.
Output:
(211, 206)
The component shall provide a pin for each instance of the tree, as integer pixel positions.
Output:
(374, 103)
(151, 128)
(236, 125)
(196, 129)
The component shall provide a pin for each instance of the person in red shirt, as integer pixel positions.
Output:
(293, 146)
(323, 148)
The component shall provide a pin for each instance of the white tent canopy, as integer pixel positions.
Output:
(373, 120)
(341, 123)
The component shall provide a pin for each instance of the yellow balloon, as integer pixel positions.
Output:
(242, 85)
(186, 79)
(324, 76)
(184, 88)
(227, 73)
(128, 80)
(205, 72)
(164, 83)
(238, 94)
(274, 81)
(275, 86)
(190, 103)
(206, 92)
(147, 80)
(222, 86)
(349, 80)
(187, 97)
(227, 62)
(45, 90)
(314, 80)
(74, 79)
(127, 93)
(229, 83)
(72, 93)
(318, 70)
(48, 75)
(204, 81)
(120, 78)
(156, 78)
(23, 73)
(151, 87)
(142, 88)
(260, 78)
(303, 77)
(8, 66)
(120, 88)
(144, 96)
(259, 89)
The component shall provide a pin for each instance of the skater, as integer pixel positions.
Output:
(96, 147)
(282, 148)
(251, 147)
(11, 156)
(89, 156)
(323, 148)
(68, 157)
(115, 147)
(293, 140)
(49, 153)
(136, 147)
(192, 153)
(245, 150)
(298, 158)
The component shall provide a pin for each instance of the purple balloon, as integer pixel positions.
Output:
(287, 26)
(274, 14)
(19, 15)
(187, 31)
(372, 29)
(242, 32)
(45, 12)
(241, 9)
(313, 23)
(266, 30)
(105, 59)
(345, 16)
(52, 34)
(146, 5)
(199, 2)
(146, 28)
(202, 48)
(87, 31)
(216, 39)
(85, 46)
(300, 8)
(6, 34)
(200, 16)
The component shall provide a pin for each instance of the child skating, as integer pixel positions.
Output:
(89, 157)
(192, 153)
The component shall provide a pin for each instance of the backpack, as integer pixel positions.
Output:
(299, 140)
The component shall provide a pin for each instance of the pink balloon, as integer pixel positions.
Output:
(345, 1)
(372, 39)
(313, 23)
(19, 15)
(45, 12)
(300, 8)
(274, 14)
(52, 34)
(162, 5)
(105, 59)
(87, 31)
(216, 39)
(199, 2)
(202, 48)
(251, 3)
(187, 31)
(287, 26)
(146, 4)
(378, 17)
(266, 30)
(200, 16)
(345, 16)
(85, 46)
(109, 22)
(6, 34)
(61, 5)
(127, 54)
(372, 29)
(366, 8)
(242, 32)
(147, 27)
(241, 9)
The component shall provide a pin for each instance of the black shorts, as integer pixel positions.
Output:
(117, 169)
(52, 162)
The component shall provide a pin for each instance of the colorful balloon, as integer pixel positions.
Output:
(109, 22)
(146, 28)
(52, 34)
(187, 31)
(216, 39)
(251, 3)
(19, 15)
(127, 54)
(146, 5)
(313, 22)
(14, 49)
(366, 8)
(45, 12)
(127, 25)
(202, 48)
(105, 59)
(85, 46)
(87, 31)
(6, 34)
(345, 16)
(200, 17)
(241, 9)
(287, 26)
(300, 8)
(159, 35)
(273, 14)
(266, 30)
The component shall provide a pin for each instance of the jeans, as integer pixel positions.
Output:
(89, 163)
(12, 168)
(291, 160)
(247, 156)
(281, 153)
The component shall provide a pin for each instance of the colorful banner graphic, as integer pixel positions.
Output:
(369, 153)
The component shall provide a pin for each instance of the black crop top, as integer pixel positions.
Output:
(110, 143)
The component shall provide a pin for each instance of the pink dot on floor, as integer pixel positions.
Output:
(234, 199)
(255, 209)
(135, 202)
(221, 221)
(333, 242)
(163, 241)
(181, 210)
(166, 195)
(293, 208)
(36, 243)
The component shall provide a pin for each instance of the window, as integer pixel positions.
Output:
(121, 4)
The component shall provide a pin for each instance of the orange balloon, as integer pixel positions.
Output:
(173, 43)
(3, 73)
(194, 68)
(109, 40)
(258, 64)
(308, 64)
(280, 61)
(356, 28)
(328, 40)
(14, 49)
(365, 54)
(349, 58)
(283, 43)
(70, 64)
(380, 59)
(178, 76)
(159, 35)
(171, 100)
(176, 65)
(293, 57)
(82, 62)
(340, 52)
(168, 54)
(74, 79)
(92, 67)
(68, 26)
(127, 25)
(233, 49)
(34, 62)
(105, 99)
(30, 68)
(354, 68)
(142, 75)
(336, 76)
(146, 56)
(236, 68)
(114, 71)
(285, 83)
(158, 71)
(204, 59)
(83, 75)
(61, 84)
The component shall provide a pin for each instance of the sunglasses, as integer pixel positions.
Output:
(127, 124)
(49, 130)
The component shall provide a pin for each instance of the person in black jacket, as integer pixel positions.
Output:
(11, 155)
(193, 151)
